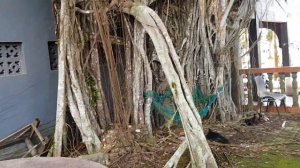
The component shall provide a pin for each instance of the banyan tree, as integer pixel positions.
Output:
(119, 58)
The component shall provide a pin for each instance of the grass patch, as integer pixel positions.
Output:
(268, 160)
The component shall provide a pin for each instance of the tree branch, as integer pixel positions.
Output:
(226, 13)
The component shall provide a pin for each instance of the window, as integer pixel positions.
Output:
(11, 58)
(53, 54)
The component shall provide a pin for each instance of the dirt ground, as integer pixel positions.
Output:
(270, 144)
(265, 144)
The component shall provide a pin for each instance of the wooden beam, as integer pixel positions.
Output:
(269, 70)
(30, 147)
(19, 135)
(273, 109)
(252, 41)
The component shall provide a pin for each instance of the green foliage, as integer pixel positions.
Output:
(86, 39)
(174, 87)
(270, 35)
(91, 83)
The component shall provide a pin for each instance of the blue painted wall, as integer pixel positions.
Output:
(32, 94)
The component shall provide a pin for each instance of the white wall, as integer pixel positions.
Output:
(272, 10)
(294, 31)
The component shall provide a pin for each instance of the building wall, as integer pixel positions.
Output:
(272, 10)
(31, 94)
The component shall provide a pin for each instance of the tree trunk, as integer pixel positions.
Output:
(65, 23)
(70, 50)
(102, 109)
(120, 113)
(201, 155)
(129, 68)
(138, 75)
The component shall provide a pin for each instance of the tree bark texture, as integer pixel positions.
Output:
(201, 155)
(65, 23)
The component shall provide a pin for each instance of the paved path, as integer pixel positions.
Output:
(42, 162)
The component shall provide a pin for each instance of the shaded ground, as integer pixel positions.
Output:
(265, 145)
(139, 151)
